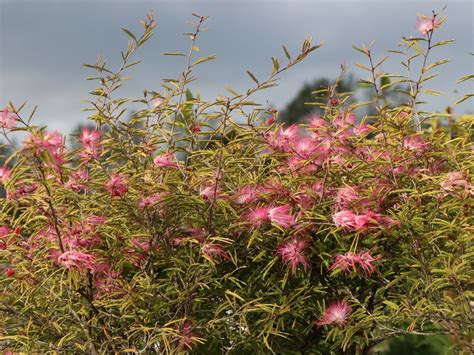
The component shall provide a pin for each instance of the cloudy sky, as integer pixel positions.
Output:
(43, 44)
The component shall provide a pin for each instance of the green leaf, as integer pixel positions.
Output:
(205, 59)
(392, 305)
(384, 81)
(253, 77)
(465, 78)
(174, 54)
(287, 54)
(435, 64)
(130, 34)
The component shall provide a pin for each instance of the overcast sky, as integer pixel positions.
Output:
(43, 44)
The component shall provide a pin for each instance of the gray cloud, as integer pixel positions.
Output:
(44, 42)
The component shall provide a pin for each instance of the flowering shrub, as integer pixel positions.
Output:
(207, 226)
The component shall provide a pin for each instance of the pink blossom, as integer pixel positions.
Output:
(317, 123)
(349, 220)
(90, 140)
(303, 200)
(78, 181)
(4, 231)
(196, 128)
(362, 129)
(321, 190)
(346, 196)
(8, 119)
(366, 260)
(336, 313)
(187, 336)
(427, 25)
(457, 181)
(197, 234)
(281, 216)
(9, 272)
(416, 143)
(305, 148)
(214, 251)
(90, 137)
(210, 191)
(77, 260)
(246, 194)
(258, 216)
(4, 174)
(150, 201)
(117, 185)
(344, 218)
(166, 160)
(292, 252)
(350, 260)
(52, 141)
(281, 139)
(344, 120)
(21, 190)
(345, 262)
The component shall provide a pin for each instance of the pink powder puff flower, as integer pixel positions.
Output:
(289, 133)
(77, 181)
(350, 260)
(416, 143)
(76, 259)
(258, 216)
(344, 218)
(117, 185)
(4, 231)
(150, 201)
(336, 313)
(303, 200)
(166, 160)
(365, 262)
(187, 336)
(21, 191)
(274, 187)
(427, 25)
(210, 192)
(281, 216)
(213, 251)
(9, 272)
(292, 252)
(366, 220)
(90, 137)
(345, 262)
(305, 148)
(362, 129)
(317, 123)
(197, 234)
(344, 120)
(457, 181)
(52, 141)
(90, 140)
(281, 140)
(246, 194)
(346, 196)
(196, 128)
(8, 119)
(349, 220)
(4, 174)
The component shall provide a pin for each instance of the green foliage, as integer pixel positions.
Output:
(116, 246)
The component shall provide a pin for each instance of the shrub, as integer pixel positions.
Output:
(207, 226)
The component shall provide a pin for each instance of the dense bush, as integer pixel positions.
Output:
(207, 226)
